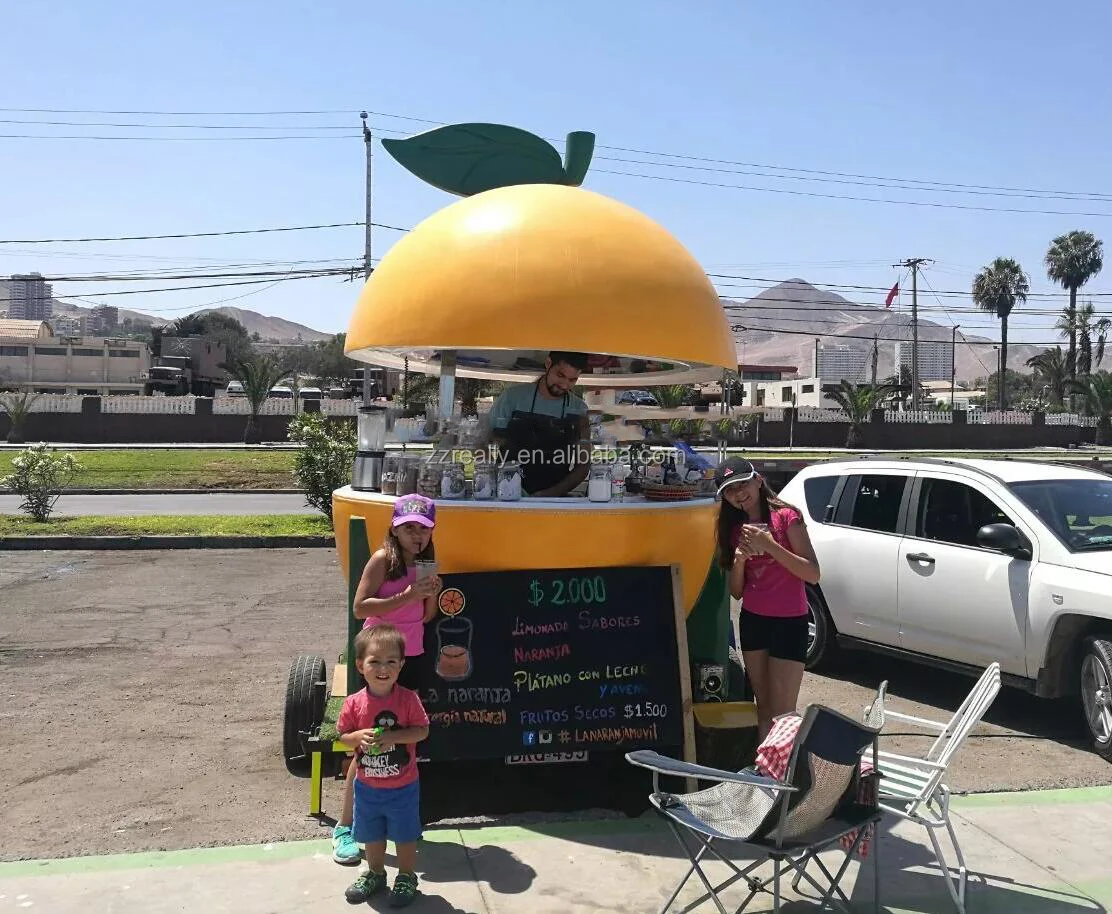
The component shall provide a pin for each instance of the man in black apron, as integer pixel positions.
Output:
(544, 427)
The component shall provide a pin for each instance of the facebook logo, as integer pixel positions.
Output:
(529, 737)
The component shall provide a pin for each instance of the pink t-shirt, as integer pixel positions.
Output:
(770, 589)
(397, 765)
(409, 618)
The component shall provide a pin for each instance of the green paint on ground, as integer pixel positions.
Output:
(1063, 796)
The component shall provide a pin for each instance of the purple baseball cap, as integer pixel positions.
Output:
(416, 509)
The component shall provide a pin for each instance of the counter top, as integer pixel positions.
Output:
(629, 503)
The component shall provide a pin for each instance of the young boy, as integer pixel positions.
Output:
(383, 723)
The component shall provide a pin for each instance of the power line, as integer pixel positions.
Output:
(834, 286)
(258, 231)
(218, 285)
(1036, 195)
(808, 193)
(821, 173)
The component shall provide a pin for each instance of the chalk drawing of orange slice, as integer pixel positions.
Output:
(452, 601)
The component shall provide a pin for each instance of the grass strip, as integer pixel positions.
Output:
(170, 525)
(167, 468)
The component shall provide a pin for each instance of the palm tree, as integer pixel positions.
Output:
(901, 388)
(997, 289)
(1071, 261)
(1096, 391)
(17, 405)
(1090, 332)
(257, 375)
(858, 403)
(1052, 371)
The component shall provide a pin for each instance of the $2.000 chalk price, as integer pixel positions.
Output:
(564, 591)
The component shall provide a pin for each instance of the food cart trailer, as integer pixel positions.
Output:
(567, 626)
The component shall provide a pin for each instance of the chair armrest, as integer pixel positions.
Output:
(921, 721)
(909, 761)
(662, 764)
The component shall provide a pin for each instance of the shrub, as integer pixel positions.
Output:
(39, 475)
(324, 462)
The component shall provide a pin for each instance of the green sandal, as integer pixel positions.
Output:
(365, 886)
(405, 890)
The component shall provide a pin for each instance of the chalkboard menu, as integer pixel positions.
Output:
(554, 661)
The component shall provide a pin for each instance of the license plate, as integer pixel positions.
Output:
(547, 758)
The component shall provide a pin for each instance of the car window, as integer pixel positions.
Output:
(952, 512)
(876, 503)
(818, 490)
(1078, 511)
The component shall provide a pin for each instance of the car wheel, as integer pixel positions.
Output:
(1096, 693)
(820, 630)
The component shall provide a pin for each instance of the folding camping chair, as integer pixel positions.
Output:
(787, 822)
(913, 788)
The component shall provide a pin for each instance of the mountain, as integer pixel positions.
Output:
(781, 324)
(69, 309)
(268, 328)
(271, 328)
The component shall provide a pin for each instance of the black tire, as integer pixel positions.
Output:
(821, 646)
(306, 695)
(1096, 693)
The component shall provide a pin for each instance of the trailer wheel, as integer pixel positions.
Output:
(306, 694)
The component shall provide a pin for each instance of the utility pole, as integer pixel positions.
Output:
(913, 264)
(875, 359)
(953, 363)
(367, 142)
(816, 357)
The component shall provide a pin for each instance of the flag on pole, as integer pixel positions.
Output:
(892, 293)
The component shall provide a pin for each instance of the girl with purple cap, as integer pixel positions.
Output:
(389, 592)
(764, 548)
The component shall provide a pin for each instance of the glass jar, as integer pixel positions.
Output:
(486, 481)
(408, 470)
(453, 481)
(509, 482)
(429, 477)
(599, 482)
(391, 466)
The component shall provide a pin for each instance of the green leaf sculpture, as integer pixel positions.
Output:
(467, 159)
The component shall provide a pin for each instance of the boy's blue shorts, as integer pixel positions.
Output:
(391, 813)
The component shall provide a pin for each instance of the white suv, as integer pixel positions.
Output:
(960, 563)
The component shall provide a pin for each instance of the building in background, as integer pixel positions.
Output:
(936, 359)
(66, 325)
(29, 298)
(102, 319)
(33, 358)
(842, 363)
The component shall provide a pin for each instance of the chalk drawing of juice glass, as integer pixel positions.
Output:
(453, 649)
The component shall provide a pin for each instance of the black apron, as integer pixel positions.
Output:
(535, 441)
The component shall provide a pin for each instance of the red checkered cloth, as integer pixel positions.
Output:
(772, 761)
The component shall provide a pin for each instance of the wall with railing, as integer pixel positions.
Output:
(187, 419)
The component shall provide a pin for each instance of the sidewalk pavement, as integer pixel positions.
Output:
(1044, 852)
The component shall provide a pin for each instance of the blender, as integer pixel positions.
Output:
(366, 474)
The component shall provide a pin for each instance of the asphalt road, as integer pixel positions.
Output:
(200, 503)
(141, 699)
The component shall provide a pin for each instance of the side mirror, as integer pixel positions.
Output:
(1003, 538)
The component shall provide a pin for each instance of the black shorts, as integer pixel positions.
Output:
(785, 638)
(412, 675)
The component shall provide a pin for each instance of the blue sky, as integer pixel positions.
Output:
(990, 93)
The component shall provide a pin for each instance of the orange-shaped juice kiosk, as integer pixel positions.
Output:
(485, 288)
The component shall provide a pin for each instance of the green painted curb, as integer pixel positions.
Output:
(292, 850)
(1056, 797)
(470, 837)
